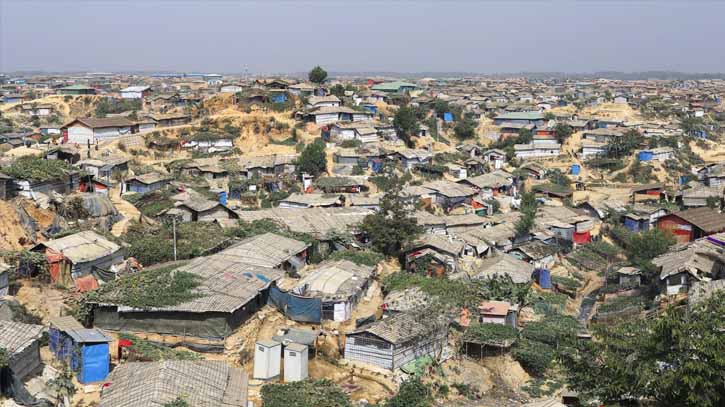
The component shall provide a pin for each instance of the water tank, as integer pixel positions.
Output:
(575, 168)
(295, 362)
(267, 355)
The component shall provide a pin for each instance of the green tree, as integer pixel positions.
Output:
(317, 75)
(525, 136)
(440, 107)
(647, 245)
(313, 160)
(562, 132)
(675, 359)
(338, 90)
(624, 145)
(391, 229)
(690, 125)
(549, 116)
(528, 213)
(406, 123)
(465, 129)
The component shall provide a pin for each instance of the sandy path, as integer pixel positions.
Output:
(126, 209)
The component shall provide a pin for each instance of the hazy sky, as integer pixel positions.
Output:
(395, 35)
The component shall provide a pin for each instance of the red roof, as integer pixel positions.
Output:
(500, 308)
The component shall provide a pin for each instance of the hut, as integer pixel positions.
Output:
(80, 255)
(21, 342)
(231, 289)
(340, 285)
(152, 384)
(85, 350)
(392, 342)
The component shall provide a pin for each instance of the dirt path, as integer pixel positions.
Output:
(125, 208)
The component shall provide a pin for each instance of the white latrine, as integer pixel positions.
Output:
(267, 355)
(295, 362)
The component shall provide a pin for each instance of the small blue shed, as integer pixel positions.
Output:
(447, 117)
(645, 155)
(543, 278)
(86, 350)
(575, 169)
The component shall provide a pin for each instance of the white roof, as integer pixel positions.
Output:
(135, 89)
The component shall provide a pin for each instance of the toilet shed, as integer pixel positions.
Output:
(295, 362)
(86, 350)
(267, 355)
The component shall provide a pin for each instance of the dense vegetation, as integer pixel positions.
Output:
(146, 351)
(306, 393)
(155, 244)
(37, 169)
(673, 360)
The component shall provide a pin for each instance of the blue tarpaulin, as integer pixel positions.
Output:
(94, 362)
(645, 155)
(296, 308)
(447, 117)
(370, 108)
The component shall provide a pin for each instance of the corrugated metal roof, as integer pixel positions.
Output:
(207, 383)
(16, 336)
(82, 247)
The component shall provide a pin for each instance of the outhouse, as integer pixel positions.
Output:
(267, 355)
(295, 362)
(86, 350)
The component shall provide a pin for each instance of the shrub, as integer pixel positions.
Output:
(306, 393)
(362, 257)
(535, 357)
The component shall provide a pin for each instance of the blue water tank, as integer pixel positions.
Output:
(645, 155)
(447, 117)
(575, 168)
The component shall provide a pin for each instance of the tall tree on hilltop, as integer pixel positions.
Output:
(317, 75)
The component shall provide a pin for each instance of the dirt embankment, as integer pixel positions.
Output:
(20, 222)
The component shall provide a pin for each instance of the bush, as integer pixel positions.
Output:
(143, 350)
(490, 333)
(412, 393)
(360, 257)
(553, 330)
(36, 168)
(306, 393)
(535, 357)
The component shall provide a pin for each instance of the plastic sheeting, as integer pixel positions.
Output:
(12, 387)
(95, 360)
(295, 307)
